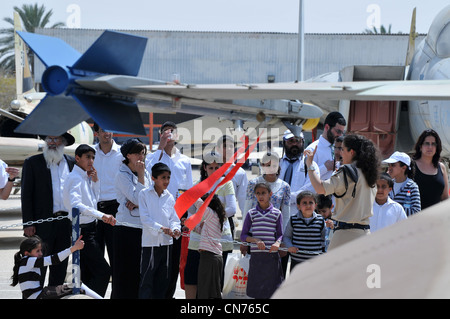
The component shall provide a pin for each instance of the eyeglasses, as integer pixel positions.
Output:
(338, 131)
(53, 139)
(433, 144)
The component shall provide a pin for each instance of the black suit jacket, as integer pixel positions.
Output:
(36, 188)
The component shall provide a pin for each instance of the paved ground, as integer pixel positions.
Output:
(10, 238)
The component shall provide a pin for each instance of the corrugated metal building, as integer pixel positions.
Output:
(228, 57)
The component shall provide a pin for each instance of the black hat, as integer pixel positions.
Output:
(69, 138)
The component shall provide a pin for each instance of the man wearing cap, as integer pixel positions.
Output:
(293, 169)
(180, 180)
(107, 163)
(42, 185)
(334, 126)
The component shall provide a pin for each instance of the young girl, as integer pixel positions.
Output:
(28, 262)
(305, 233)
(211, 262)
(265, 223)
(211, 162)
(401, 169)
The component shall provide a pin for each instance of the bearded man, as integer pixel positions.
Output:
(42, 187)
(333, 127)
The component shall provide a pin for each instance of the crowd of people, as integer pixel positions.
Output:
(307, 201)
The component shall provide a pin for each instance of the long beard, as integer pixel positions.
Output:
(53, 155)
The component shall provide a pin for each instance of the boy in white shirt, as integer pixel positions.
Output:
(81, 190)
(160, 223)
(385, 210)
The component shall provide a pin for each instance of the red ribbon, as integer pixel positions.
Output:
(188, 198)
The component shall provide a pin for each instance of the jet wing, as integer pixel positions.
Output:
(306, 91)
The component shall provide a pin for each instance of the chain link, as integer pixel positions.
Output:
(39, 221)
(183, 234)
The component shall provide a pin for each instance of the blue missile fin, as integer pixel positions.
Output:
(114, 53)
(53, 116)
(50, 50)
(112, 114)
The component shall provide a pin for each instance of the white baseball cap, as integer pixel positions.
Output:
(398, 157)
(288, 134)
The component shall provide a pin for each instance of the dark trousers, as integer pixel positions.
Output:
(174, 268)
(155, 276)
(95, 271)
(104, 235)
(55, 240)
(127, 262)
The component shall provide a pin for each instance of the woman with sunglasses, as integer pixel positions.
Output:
(431, 173)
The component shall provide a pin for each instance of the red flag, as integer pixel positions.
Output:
(188, 198)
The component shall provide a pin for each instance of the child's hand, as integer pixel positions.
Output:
(329, 223)
(274, 247)
(109, 219)
(93, 175)
(293, 250)
(167, 231)
(79, 244)
(176, 234)
(261, 245)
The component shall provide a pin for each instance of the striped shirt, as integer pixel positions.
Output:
(307, 234)
(30, 272)
(400, 196)
(211, 233)
(265, 224)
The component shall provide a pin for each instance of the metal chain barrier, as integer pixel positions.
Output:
(183, 234)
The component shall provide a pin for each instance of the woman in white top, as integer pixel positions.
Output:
(281, 191)
(131, 178)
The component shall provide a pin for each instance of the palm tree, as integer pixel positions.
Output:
(33, 16)
(381, 31)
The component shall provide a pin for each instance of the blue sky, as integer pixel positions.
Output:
(326, 16)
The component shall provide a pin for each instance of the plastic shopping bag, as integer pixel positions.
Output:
(236, 275)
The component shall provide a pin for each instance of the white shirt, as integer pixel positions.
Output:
(240, 183)
(59, 173)
(128, 188)
(81, 192)
(180, 167)
(387, 214)
(3, 175)
(324, 153)
(107, 166)
(156, 212)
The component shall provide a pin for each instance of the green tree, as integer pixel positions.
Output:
(382, 30)
(33, 16)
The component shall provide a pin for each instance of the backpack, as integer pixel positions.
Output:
(351, 171)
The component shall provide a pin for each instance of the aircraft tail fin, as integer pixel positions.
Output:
(412, 38)
(24, 81)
